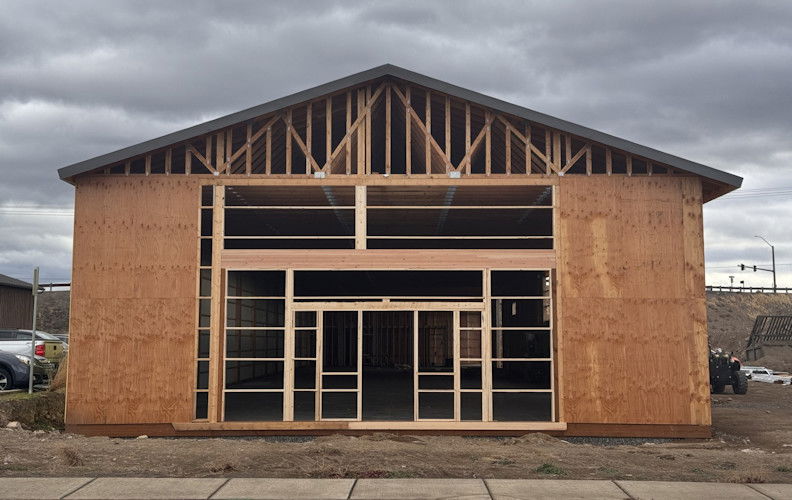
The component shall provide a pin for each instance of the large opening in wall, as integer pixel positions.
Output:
(382, 346)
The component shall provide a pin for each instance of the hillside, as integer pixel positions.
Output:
(53, 312)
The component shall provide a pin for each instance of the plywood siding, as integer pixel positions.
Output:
(133, 301)
(631, 301)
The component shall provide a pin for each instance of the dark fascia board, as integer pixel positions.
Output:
(14, 283)
(432, 83)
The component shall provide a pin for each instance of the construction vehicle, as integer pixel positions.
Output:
(725, 370)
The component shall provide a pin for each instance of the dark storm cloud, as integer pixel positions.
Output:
(706, 81)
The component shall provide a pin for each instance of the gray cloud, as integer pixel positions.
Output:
(706, 81)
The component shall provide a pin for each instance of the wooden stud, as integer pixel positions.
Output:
(556, 163)
(407, 134)
(628, 160)
(217, 304)
(648, 167)
(220, 152)
(361, 133)
(288, 142)
(207, 158)
(488, 145)
(608, 161)
(360, 217)
(348, 146)
(547, 154)
(168, 160)
(528, 163)
(368, 131)
(448, 131)
(227, 151)
(128, 167)
(308, 136)
(288, 347)
(268, 152)
(249, 150)
(428, 131)
(508, 151)
(467, 136)
(328, 127)
(148, 165)
(388, 157)
(588, 158)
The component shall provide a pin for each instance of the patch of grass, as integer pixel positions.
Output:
(401, 474)
(608, 470)
(726, 466)
(18, 395)
(503, 461)
(783, 468)
(550, 469)
(697, 470)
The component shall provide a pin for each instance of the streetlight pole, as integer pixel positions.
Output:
(772, 253)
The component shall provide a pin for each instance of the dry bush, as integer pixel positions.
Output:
(71, 457)
(58, 382)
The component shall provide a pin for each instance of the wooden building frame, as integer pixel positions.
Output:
(391, 171)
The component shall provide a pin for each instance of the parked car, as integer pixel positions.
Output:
(15, 371)
(47, 345)
(763, 374)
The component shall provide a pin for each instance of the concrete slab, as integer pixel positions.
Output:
(130, 488)
(39, 487)
(331, 489)
(379, 489)
(508, 489)
(671, 490)
(774, 490)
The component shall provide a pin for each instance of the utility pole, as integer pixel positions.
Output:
(33, 333)
(772, 254)
(731, 279)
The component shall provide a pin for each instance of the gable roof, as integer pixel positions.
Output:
(432, 83)
(14, 283)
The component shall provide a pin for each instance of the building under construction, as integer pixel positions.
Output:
(389, 252)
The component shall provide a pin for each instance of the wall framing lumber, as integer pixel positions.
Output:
(387, 259)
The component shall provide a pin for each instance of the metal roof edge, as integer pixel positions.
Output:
(69, 171)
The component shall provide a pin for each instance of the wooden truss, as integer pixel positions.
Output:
(388, 127)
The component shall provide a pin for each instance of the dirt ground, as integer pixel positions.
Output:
(752, 443)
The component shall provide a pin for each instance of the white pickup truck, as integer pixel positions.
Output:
(47, 345)
(763, 374)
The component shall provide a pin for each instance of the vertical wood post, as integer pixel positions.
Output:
(407, 134)
(308, 136)
(360, 217)
(217, 300)
(388, 158)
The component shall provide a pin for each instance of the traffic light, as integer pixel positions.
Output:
(754, 268)
(742, 267)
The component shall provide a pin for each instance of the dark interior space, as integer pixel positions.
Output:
(387, 284)
(388, 365)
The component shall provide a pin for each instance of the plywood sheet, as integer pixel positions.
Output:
(133, 301)
(632, 312)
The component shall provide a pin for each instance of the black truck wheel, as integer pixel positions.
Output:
(740, 386)
(718, 388)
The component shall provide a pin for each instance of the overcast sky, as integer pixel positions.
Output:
(711, 82)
